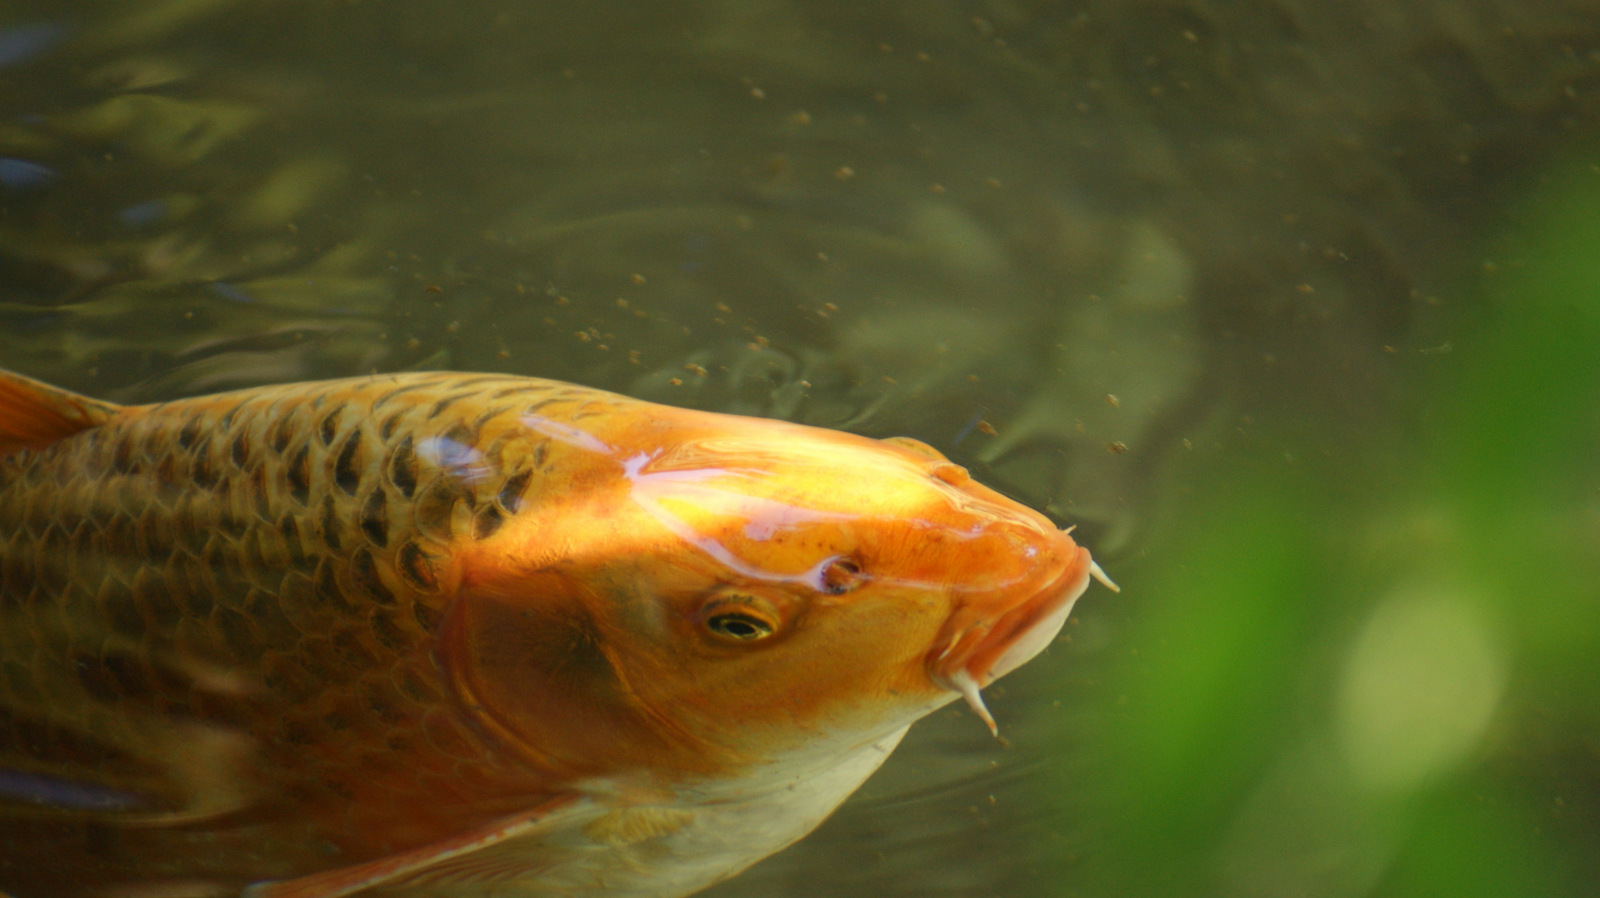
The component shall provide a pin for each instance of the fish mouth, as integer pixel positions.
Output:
(989, 647)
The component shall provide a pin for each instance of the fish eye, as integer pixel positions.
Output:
(740, 618)
(739, 627)
(840, 575)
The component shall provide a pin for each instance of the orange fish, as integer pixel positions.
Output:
(467, 635)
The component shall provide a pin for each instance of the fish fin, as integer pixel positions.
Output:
(33, 414)
(172, 773)
(917, 446)
(414, 867)
(32, 790)
(160, 765)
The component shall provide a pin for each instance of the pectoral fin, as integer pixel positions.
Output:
(451, 857)
(34, 415)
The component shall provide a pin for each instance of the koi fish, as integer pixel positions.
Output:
(467, 635)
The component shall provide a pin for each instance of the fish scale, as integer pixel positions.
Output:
(262, 561)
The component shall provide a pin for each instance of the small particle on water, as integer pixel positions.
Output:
(936, 188)
(562, 301)
(452, 327)
(584, 336)
(800, 117)
(985, 427)
(1116, 447)
(695, 369)
(723, 308)
(844, 173)
(992, 182)
(675, 381)
(622, 303)
(1304, 288)
(1113, 401)
(434, 288)
(638, 279)
(413, 343)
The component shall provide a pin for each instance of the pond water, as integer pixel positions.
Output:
(1289, 306)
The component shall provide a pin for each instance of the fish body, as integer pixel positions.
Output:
(461, 635)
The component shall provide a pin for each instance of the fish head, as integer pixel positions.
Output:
(743, 588)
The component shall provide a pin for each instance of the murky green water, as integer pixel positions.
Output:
(1290, 306)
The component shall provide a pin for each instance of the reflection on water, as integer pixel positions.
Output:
(1230, 286)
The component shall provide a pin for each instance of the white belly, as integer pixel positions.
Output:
(615, 848)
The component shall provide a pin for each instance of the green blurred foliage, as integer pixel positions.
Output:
(1232, 759)
(1203, 699)
(1467, 846)
(1519, 434)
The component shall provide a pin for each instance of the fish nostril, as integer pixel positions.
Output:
(840, 575)
(951, 473)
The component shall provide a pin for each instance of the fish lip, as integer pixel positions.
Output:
(985, 650)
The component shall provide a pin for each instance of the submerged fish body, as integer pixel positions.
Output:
(461, 635)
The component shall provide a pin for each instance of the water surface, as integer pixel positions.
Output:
(1287, 305)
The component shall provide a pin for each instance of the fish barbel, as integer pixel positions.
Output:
(461, 635)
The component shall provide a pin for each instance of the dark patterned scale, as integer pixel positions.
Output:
(258, 574)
